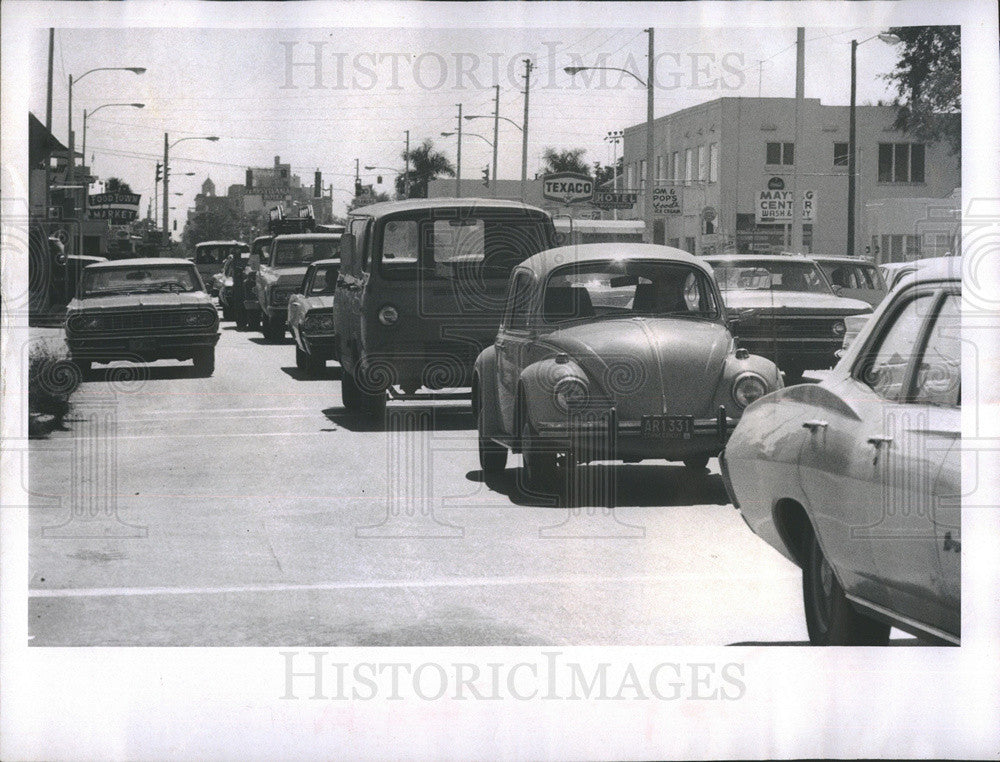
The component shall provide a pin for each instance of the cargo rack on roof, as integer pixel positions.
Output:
(279, 224)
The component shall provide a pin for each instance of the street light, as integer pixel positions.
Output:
(90, 113)
(615, 137)
(167, 145)
(648, 84)
(889, 39)
(473, 134)
(496, 132)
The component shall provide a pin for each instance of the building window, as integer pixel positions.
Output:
(688, 165)
(781, 153)
(658, 177)
(702, 164)
(713, 163)
(673, 168)
(689, 244)
(642, 174)
(897, 248)
(900, 162)
(840, 154)
(630, 180)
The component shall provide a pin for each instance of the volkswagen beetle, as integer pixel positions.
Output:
(612, 345)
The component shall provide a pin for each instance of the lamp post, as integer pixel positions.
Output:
(469, 134)
(648, 84)
(87, 114)
(396, 172)
(890, 39)
(496, 131)
(614, 137)
(167, 145)
(71, 142)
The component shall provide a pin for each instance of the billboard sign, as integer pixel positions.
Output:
(115, 207)
(567, 187)
(775, 206)
(666, 201)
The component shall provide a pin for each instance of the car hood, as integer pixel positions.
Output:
(322, 302)
(650, 365)
(147, 301)
(793, 302)
(285, 276)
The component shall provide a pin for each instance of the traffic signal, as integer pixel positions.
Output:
(358, 190)
(318, 184)
(159, 171)
(486, 176)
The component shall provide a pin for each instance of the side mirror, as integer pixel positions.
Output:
(733, 324)
(838, 290)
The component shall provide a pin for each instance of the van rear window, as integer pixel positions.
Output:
(478, 245)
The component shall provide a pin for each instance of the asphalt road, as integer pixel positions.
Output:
(250, 509)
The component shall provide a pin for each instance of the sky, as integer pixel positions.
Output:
(371, 85)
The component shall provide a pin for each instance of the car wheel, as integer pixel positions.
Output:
(492, 456)
(358, 400)
(793, 374)
(227, 314)
(830, 617)
(274, 329)
(696, 463)
(540, 469)
(315, 365)
(204, 362)
(84, 366)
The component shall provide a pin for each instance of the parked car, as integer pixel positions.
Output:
(421, 290)
(623, 339)
(782, 307)
(853, 277)
(226, 280)
(310, 316)
(145, 309)
(281, 274)
(209, 256)
(857, 479)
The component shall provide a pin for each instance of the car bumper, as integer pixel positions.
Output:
(319, 345)
(124, 347)
(589, 437)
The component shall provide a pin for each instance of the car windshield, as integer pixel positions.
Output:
(144, 279)
(770, 275)
(850, 275)
(209, 255)
(473, 244)
(302, 252)
(628, 289)
(324, 281)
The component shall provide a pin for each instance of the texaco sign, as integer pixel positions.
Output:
(567, 187)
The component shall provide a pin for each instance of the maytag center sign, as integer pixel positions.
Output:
(567, 187)
(775, 206)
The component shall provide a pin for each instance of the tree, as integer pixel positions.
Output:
(219, 224)
(928, 81)
(426, 164)
(359, 201)
(605, 173)
(115, 185)
(570, 160)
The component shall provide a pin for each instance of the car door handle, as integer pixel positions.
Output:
(814, 425)
(878, 441)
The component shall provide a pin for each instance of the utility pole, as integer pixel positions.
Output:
(48, 85)
(166, 190)
(851, 149)
(648, 237)
(496, 136)
(458, 172)
(528, 66)
(800, 79)
(406, 177)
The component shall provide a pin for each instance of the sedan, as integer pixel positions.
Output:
(857, 478)
(612, 351)
(310, 316)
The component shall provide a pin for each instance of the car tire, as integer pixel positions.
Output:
(301, 359)
(84, 366)
(227, 313)
(830, 618)
(696, 463)
(315, 365)
(492, 456)
(357, 400)
(274, 329)
(540, 468)
(204, 362)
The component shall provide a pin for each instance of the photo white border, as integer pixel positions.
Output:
(224, 703)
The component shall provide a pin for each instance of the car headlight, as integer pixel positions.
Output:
(839, 328)
(388, 315)
(571, 393)
(199, 318)
(318, 322)
(85, 323)
(748, 388)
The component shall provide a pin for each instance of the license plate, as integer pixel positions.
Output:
(668, 426)
(141, 345)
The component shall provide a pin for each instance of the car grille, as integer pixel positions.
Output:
(820, 327)
(140, 321)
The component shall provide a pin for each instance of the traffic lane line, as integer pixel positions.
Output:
(107, 592)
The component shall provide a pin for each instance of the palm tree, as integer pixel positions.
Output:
(116, 185)
(570, 160)
(426, 164)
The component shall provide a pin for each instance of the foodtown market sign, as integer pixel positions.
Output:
(567, 187)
